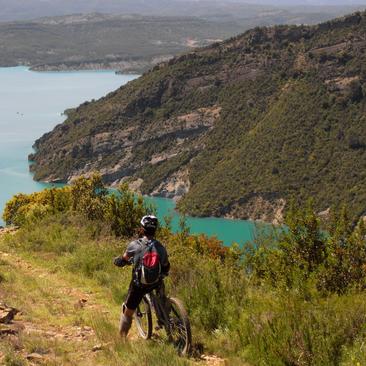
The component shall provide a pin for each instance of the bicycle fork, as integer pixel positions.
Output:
(162, 312)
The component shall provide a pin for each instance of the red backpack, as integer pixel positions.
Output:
(148, 269)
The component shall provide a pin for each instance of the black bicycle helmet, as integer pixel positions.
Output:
(149, 222)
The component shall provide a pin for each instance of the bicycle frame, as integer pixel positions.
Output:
(155, 298)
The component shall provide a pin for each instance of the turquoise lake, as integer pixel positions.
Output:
(31, 103)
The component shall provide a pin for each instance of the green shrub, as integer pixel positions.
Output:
(303, 253)
(124, 211)
(24, 208)
(345, 264)
(288, 331)
(87, 197)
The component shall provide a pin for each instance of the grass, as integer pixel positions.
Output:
(47, 286)
(282, 301)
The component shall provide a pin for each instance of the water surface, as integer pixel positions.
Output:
(31, 104)
(229, 231)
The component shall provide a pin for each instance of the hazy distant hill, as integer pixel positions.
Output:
(25, 10)
(132, 43)
(307, 2)
(129, 43)
(236, 128)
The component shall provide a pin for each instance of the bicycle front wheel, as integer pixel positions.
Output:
(179, 331)
(143, 318)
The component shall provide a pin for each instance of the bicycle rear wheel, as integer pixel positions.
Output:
(143, 318)
(180, 329)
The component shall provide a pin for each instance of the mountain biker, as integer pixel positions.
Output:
(133, 255)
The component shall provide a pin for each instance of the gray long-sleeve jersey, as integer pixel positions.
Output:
(135, 248)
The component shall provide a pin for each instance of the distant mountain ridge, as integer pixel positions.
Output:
(307, 2)
(234, 129)
(134, 43)
(130, 43)
(32, 9)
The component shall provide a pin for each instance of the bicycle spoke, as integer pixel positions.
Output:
(178, 329)
(166, 313)
(143, 319)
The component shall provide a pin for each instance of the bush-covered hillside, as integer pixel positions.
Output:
(293, 297)
(130, 43)
(235, 129)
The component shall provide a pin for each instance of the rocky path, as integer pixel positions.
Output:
(62, 301)
(57, 317)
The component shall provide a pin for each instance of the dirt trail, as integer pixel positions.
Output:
(66, 299)
(80, 337)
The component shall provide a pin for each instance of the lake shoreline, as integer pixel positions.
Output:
(33, 102)
(172, 203)
(175, 201)
(121, 67)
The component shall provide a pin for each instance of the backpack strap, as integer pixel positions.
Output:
(152, 242)
(149, 242)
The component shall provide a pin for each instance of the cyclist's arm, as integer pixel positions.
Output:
(127, 256)
(131, 250)
(165, 270)
(165, 264)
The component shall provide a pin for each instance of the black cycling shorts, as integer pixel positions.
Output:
(135, 295)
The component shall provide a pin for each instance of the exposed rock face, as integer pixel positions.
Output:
(175, 186)
(122, 66)
(325, 215)
(135, 185)
(173, 138)
(259, 207)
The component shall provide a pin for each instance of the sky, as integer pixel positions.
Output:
(305, 2)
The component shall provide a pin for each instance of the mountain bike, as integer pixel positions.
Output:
(170, 314)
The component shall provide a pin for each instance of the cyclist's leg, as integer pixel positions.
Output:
(134, 297)
(125, 322)
(160, 303)
(163, 298)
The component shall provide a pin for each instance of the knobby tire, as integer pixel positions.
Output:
(180, 329)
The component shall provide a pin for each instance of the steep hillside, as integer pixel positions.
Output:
(236, 128)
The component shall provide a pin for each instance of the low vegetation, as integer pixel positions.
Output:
(295, 296)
